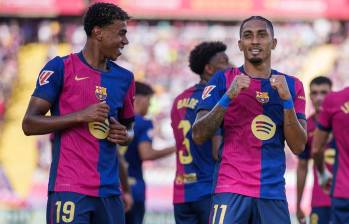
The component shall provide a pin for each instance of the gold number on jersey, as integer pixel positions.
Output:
(221, 217)
(68, 211)
(185, 159)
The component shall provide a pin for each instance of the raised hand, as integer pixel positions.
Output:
(239, 83)
(279, 83)
(95, 112)
(117, 132)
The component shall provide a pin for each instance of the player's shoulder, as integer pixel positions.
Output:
(56, 62)
(119, 69)
(186, 93)
(143, 120)
(288, 77)
(336, 97)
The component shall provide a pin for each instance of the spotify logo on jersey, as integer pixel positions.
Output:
(263, 127)
(99, 130)
(330, 156)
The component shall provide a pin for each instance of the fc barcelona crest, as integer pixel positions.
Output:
(262, 97)
(101, 93)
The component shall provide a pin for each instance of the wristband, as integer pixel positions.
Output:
(224, 101)
(288, 104)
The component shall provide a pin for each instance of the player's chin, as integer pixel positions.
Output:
(255, 60)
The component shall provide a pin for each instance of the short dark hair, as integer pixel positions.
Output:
(269, 24)
(143, 89)
(319, 80)
(203, 53)
(102, 14)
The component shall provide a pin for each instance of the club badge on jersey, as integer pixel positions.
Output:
(101, 93)
(262, 97)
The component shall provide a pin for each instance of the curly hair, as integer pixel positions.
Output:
(203, 53)
(102, 14)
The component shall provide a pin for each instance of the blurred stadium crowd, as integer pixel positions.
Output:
(158, 54)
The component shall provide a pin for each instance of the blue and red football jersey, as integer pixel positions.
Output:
(252, 156)
(334, 116)
(143, 129)
(83, 160)
(195, 165)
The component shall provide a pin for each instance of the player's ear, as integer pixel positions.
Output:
(97, 32)
(275, 41)
(208, 69)
(240, 45)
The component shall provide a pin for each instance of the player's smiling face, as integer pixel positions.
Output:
(114, 39)
(256, 41)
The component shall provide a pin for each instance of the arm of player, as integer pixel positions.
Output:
(302, 171)
(318, 148)
(216, 143)
(294, 129)
(147, 152)
(126, 190)
(35, 121)
(207, 122)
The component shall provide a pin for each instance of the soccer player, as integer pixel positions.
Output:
(139, 150)
(258, 109)
(334, 116)
(195, 163)
(320, 202)
(91, 103)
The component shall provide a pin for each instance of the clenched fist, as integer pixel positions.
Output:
(279, 83)
(239, 83)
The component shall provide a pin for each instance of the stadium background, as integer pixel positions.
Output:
(313, 39)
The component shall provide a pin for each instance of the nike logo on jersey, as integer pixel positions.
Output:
(80, 78)
(207, 90)
(44, 76)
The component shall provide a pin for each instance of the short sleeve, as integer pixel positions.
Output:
(146, 135)
(325, 115)
(299, 100)
(212, 92)
(127, 113)
(50, 80)
(305, 155)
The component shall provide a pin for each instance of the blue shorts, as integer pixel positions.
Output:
(196, 212)
(136, 214)
(69, 207)
(340, 210)
(228, 208)
(320, 215)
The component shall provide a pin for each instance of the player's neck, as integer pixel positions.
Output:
(257, 71)
(93, 56)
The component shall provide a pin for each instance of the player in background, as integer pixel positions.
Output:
(258, 109)
(195, 163)
(139, 150)
(91, 103)
(320, 202)
(334, 117)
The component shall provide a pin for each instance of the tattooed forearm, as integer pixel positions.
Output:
(207, 123)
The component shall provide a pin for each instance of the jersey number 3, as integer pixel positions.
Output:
(185, 159)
